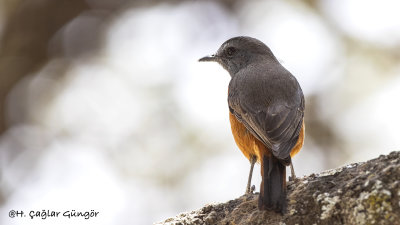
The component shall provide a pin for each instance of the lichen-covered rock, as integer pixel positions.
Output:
(361, 193)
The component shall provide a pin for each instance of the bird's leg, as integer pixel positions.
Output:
(253, 160)
(293, 175)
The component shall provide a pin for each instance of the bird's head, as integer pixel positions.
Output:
(238, 52)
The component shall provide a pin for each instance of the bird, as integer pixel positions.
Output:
(266, 113)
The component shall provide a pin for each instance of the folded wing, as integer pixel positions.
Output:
(276, 125)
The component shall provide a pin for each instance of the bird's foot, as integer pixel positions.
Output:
(293, 178)
(250, 190)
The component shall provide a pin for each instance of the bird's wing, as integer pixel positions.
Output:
(277, 125)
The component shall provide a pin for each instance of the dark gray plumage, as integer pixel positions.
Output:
(263, 95)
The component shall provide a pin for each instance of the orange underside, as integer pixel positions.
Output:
(249, 145)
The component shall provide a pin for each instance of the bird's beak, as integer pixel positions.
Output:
(212, 58)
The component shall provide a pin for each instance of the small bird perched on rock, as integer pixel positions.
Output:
(266, 112)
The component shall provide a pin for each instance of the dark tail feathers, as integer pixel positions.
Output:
(273, 185)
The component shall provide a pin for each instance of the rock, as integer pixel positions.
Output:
(359, 193)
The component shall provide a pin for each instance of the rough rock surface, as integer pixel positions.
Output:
(359, 193)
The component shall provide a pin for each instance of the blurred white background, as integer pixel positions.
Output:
(105, 106)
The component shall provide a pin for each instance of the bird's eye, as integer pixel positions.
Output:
(230, 51)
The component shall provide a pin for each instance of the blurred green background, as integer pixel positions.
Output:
(104, 106)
